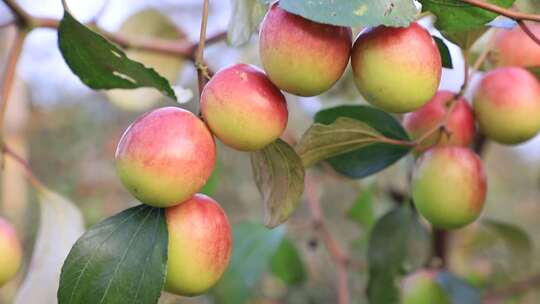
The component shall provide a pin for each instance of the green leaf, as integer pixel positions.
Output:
(446, 58)
(345, 134)
(60, 224)
(100, 64)
(390, 247)
(287, 264)
(279, 175)
(461, 22)
(253, 247)
(212, 183)
(354, 12)
(535, 71)
(516, 238)
(149, 23)
(458, 290)
(372, 158)
(120, 260)
(362, 211)
(245, 17)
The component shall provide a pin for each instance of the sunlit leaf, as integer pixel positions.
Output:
(100, 64)
(355, 12)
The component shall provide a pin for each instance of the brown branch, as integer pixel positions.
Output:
(518, 16)
(9, 75)
(341, 261)
(499, 294)
(22, 18)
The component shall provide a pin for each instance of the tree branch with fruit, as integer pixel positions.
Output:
(180, 241)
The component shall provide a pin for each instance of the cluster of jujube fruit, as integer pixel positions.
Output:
(167, 155)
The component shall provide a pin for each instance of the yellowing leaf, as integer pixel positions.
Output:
(279, 175)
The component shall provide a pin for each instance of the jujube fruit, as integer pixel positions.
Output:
(243, 108)
(449, 186)
(507, 105)
(199, 245)
(301, 56)
(515, 48)
(10, 252)
(421, 287)
(165, 156)
(460, 121)
(396, 69)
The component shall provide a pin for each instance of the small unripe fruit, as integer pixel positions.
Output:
(10, 252)
(460, 121)
(243, 108)
(300, 56)
(507, 105)
(449, 186)
(515, 48)
(199, 245)
(165, 156)
(421, 287)
(396, 69)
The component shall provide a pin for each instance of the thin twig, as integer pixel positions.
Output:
(503, 11)
(9, 75)
(34, 180)
(340, 259)
(202, 72)
(528, 31)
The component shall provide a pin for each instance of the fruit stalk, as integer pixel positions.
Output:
(202, 70)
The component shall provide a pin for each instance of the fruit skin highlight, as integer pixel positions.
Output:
(10, 252)
(301, 56)
(165, 156)
(243, 108)
(460, 122)
(515, 48)
(449, 186)
(421, 287)
(507, 105)
(396, 69)
(200, 243)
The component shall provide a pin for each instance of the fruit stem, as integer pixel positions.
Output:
(202, 70)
